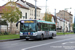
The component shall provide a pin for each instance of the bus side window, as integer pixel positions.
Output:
(52, 27)
(38, 26)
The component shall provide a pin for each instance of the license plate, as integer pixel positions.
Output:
(27, 37)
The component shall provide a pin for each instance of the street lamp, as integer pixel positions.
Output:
(55, 16)
(46, 11)
(64, 24)
(74, 24)
(74, 21)
(35, 8)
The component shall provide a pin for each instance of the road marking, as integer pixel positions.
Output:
(63, 43)
(46, 44)
(71, 42)
(67, 43)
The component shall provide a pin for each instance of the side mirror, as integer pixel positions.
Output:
(38, 24)
(17, 24)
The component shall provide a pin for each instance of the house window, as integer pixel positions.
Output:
(23, 17)
(26, 15)
(21, 13)
(39, 14)
(61, 14)
(32, 12)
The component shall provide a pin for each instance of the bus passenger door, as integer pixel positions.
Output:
(47, 33)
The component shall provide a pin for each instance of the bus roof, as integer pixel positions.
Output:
(41, 21)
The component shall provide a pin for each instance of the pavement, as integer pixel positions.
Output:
(9, 40)
(64, 42)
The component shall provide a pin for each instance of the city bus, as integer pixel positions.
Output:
(36, 29)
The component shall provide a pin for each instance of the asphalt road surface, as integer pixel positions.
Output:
(63, 42)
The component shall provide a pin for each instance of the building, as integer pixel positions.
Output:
(67, 16)
(31, 10)
(62, 25)
(27, 9)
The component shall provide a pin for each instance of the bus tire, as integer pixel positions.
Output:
(52, 36)
(42, 37)
(27, 39)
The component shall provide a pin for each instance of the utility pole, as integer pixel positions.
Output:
(74, 23)
(55, 15)
(64, 24)
(46, 11)
(35, 8)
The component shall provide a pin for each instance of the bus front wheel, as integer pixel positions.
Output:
(42, 37)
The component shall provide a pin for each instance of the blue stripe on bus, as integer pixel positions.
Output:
(26, 33)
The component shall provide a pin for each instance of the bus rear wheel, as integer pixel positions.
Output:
(52, 36)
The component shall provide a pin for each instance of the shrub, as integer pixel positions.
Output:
(6, 33)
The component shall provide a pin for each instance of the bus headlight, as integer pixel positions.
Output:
(34, 34)
(21, 34)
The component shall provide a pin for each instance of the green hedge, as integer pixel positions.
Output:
(4, 33)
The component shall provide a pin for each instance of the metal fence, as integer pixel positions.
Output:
(4, 28)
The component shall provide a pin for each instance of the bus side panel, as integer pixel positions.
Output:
(52, 32)
(39, 33)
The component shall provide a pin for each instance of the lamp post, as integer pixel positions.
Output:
(35, 8)
(46, 11)
(64, 24)
(55, 16)
(74, 24)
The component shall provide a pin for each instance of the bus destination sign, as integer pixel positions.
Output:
(27, 21)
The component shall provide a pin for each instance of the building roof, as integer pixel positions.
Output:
(2, 7)
(5, 9)
(61, 19)
(22, 6)
(65, 11)
(29, 4)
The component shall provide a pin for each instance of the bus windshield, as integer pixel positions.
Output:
(27, 27)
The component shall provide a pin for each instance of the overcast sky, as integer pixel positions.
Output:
(52, 4)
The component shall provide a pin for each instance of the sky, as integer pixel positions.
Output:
(51, 5)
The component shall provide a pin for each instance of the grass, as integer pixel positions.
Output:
(61, 33)
(5, 37)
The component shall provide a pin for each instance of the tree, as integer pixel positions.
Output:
(11, 14)
(48, 17)
(73, 26)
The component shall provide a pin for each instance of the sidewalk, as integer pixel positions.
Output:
(8, 40)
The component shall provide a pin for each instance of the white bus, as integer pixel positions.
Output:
(36, 29)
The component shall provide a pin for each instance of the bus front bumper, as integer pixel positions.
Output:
(29, 37)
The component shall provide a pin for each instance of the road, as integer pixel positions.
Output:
(63, 42)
